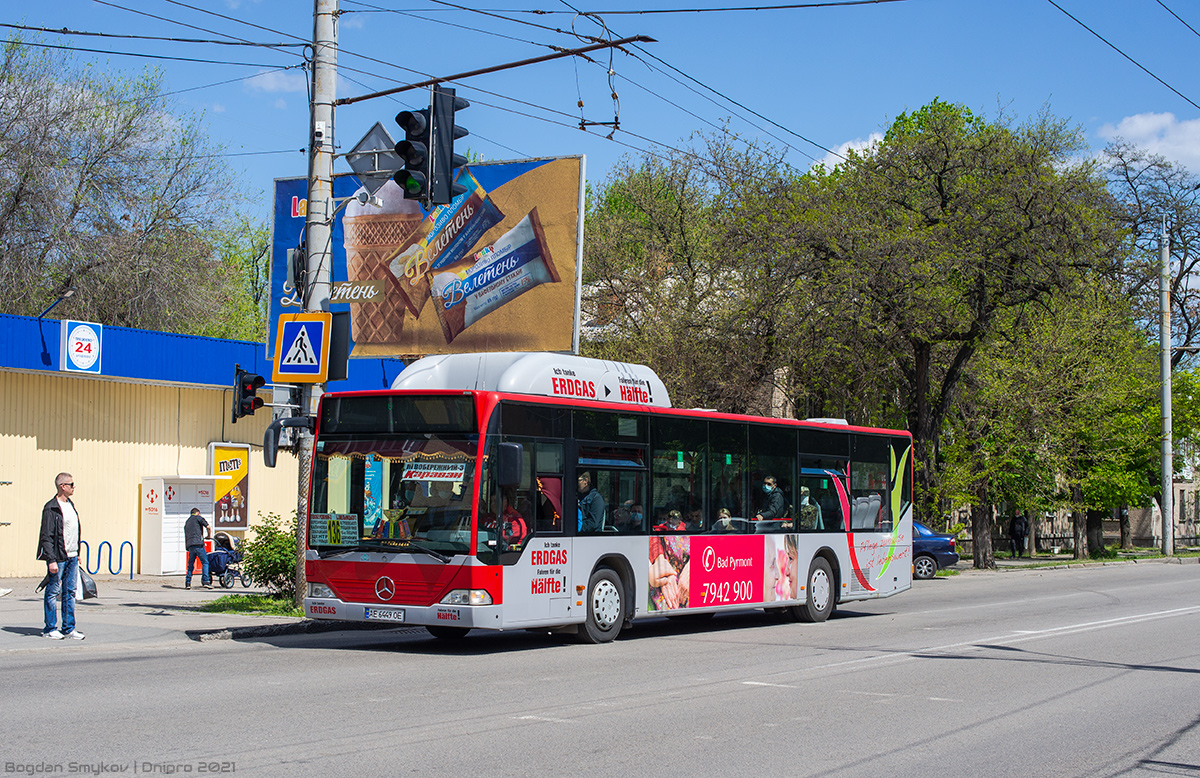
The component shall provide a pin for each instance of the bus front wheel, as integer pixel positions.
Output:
(819, 594)
(447, 633)
(605, 607)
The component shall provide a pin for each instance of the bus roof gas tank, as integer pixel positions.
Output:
(547, 375)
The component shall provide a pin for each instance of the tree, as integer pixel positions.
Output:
(1057, 414)
(104, 190)
(241, 247)
(660, 290)
(923, 245)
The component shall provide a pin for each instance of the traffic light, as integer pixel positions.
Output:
(442, 188)
(413, 151)
(245, 393)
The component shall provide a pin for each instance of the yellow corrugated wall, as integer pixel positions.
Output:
(109, 435)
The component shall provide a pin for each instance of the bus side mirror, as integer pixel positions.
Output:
(271, 437)
(509, 469)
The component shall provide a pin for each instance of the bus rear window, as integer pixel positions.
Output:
(402, 414)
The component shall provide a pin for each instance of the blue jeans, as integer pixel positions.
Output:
(62, 582)
(193, 552)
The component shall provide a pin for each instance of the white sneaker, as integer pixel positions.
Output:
(53, 635)
(75, 635)
(5, 592)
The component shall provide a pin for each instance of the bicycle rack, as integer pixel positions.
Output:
(120, 557)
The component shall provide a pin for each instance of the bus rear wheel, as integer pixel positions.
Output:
(819, 594)
(605, 607)
(443, 632)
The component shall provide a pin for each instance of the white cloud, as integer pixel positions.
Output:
(858, 144)
(1160, 133)
(277, 81)
(218, 108)
(281, 103)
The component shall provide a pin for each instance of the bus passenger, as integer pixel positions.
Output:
(724, 519)
(774, 504)
(591, 505)
(513, 529)
(810, 511)
(673, 523)
(695, 521)
(636, 518)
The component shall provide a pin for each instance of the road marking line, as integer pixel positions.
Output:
(773, 685)
(979, 644)
(545, 718)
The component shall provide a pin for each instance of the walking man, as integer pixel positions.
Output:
(1018, 528)
(195, 530)
(58, 545)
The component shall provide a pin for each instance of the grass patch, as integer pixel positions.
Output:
(252, 604)
(946, 573)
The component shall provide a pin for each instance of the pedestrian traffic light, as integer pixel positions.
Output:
(413, 178)
(442, 188)
(245, 393)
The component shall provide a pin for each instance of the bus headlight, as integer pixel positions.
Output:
(468, 597)
(319, 590)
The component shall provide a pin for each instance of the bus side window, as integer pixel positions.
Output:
(546, 492)
(549, 503)
(820, 499)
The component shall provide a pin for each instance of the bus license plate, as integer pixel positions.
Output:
(384, 614)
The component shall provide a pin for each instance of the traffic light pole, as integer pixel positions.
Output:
(318, 229)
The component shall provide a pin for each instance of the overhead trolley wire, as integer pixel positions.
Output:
(788, 7)
(1123, 54)
(1177, 16)
(196, 60)
(126, 36)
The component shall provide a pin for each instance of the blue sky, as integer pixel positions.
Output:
(832, 75)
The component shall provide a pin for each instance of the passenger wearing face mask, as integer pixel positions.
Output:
(774, 504)
(637, 519)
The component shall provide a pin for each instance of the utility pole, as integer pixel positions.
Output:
(1164, 337)
(318, 232)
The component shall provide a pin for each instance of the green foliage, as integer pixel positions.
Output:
(241, 249)
(270, 556)
(1106, 552)
(252, 604)
(108, 189)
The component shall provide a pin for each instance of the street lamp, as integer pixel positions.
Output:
(61, 297)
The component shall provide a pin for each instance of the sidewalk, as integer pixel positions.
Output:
(147, 609)
(1060, 561)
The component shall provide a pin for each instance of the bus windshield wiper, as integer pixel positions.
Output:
(335, 550)
(438, 555)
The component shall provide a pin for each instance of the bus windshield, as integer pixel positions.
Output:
(393, 493)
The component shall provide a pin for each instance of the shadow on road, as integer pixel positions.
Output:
(416, 640)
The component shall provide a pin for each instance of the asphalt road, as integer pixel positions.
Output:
(1081, 672)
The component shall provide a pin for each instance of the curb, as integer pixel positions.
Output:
(1065, 565)
(302, 627)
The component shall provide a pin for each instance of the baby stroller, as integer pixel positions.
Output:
(223, 560)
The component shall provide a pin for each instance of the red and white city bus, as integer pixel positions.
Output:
(548, 491)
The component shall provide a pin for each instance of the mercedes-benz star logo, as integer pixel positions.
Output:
(384, 588)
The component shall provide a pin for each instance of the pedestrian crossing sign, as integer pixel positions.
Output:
(302, 348)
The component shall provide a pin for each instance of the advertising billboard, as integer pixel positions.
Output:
(497, 269)
(230, 508)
